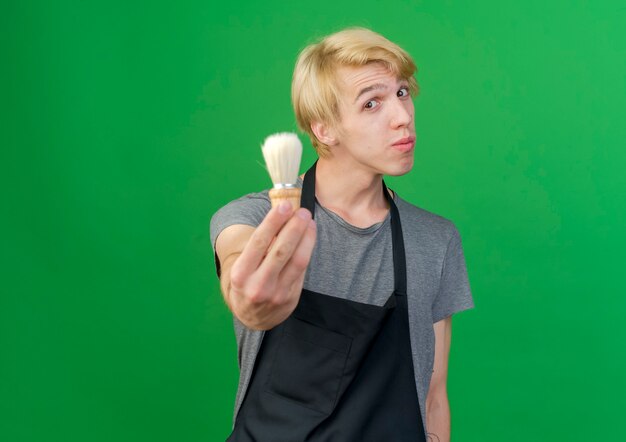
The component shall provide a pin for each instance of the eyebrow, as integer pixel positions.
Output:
(367, 89)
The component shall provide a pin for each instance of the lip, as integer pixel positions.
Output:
(404, 144)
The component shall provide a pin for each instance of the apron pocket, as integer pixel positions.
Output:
(308, 365)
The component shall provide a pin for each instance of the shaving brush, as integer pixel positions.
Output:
(282, 153)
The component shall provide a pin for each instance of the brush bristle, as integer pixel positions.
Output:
(282, 153)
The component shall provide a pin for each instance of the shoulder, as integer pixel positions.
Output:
(426, 227)
(248, 209)
(256, 199)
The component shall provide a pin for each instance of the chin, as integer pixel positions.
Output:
(400, 169)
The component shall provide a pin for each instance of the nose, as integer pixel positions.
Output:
(402, 113)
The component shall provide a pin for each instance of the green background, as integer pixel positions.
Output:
(126, 125)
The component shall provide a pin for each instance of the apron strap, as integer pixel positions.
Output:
(397, 239)
(307, 200)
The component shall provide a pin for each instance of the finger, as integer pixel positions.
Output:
(295, 269)
(285, 244)
(260, 241)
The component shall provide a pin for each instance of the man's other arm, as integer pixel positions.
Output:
(437, 405)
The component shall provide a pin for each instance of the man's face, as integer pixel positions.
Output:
(376, 131)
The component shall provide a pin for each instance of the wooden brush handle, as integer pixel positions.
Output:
(290, 195)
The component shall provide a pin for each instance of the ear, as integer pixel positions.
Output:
(324, 132)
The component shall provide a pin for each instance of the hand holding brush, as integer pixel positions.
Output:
(263, 268)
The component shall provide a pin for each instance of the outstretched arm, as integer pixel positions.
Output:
(263, 268)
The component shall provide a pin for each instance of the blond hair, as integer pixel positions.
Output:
(314, 90)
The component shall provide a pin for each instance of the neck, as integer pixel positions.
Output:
(354, 194)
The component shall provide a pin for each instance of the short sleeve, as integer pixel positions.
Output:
(250, 210)
(454, 291)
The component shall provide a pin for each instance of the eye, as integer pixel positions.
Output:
(371, 104)
(403, 92)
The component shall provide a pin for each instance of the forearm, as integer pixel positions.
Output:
(438, 419)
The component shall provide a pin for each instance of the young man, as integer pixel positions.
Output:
(343, 322)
